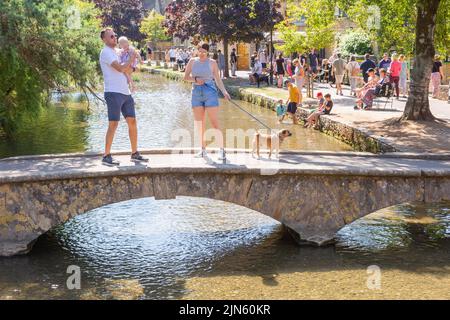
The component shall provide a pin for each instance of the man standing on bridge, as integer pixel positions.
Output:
(118, 96)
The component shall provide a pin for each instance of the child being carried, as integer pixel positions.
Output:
(124, 55)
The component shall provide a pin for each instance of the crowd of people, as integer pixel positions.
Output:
(335, 70)
(367, 80)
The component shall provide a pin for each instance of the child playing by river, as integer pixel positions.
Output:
(124, 55)
(281, 111)
(323, 102)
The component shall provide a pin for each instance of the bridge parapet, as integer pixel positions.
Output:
(314, 194)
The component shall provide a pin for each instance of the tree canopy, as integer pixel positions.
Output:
(124, 16)
(390, 24)
(320, 31)
(216, 20)
(229, 21)
(44, 45)
(153, 29)
(355, 42)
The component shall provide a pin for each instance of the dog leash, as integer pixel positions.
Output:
(243, 110)
(250, 115)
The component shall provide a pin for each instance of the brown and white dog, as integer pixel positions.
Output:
(273, 142)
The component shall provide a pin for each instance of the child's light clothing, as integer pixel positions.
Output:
(124, 57)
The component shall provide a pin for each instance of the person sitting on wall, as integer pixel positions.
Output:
(326, 108)
(310, 121)
(256, 72)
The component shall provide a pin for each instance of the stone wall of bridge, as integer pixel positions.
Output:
(314, 206)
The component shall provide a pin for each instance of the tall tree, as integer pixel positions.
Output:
(418, 105)
(182, 20)
(318, 15)
(44, 45)
(229, 21)
(391, 23)
(124, 16)
(153, 29)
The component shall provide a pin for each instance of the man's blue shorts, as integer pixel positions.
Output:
(119, 103)
(205, 95)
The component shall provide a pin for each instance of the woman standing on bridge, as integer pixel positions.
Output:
(202, 71)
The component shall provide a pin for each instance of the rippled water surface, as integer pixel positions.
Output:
(198, 248)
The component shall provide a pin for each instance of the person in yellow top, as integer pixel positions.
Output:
(295, 99)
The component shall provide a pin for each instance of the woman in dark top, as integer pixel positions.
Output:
(281, 70)
(436, 76)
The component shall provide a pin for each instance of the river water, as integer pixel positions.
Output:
(192, 248)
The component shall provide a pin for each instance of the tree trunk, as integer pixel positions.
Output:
(418, 105)
(226, 72)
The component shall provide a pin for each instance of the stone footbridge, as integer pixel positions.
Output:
(314, 194)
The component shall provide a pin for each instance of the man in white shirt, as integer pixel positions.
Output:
(263, 58)
(117, 95)
(339, 71)
(173, 56)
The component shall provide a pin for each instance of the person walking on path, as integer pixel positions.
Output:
(172, 56)
(394, 74)
(263, 58)
(203, 72)
(118, 96)
(338, 71)
(437, 75)
(281, 70)
(221, 62)
(313, 62)
(149, 54)
(233, 62)
(404, 75)
(299, 74)
(366, 66)
(385, 63)
(353, 69)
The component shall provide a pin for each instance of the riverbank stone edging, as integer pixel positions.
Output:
(359, 139)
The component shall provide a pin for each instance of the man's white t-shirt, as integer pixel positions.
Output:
(257, 68)
(114, 81)
(172, 53)
(262, 57)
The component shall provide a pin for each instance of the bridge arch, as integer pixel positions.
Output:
(314, 206)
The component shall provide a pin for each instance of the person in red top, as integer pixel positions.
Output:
(394, 71)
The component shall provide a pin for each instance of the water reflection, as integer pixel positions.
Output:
(162, 106)
(149, 249)
(53, 130)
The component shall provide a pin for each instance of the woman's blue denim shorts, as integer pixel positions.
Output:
(205, 95)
